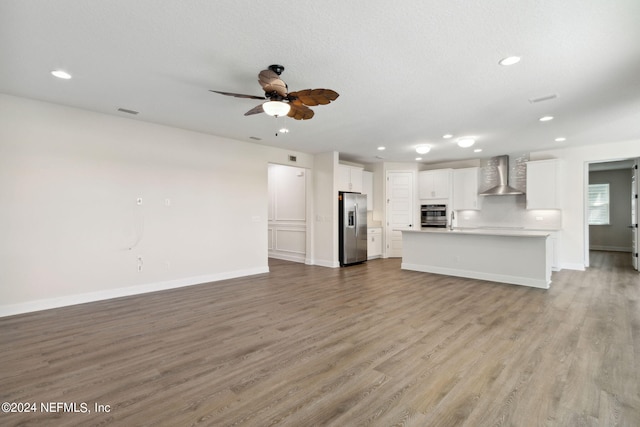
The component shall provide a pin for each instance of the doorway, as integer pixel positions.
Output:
(287, 222)
(611, 208)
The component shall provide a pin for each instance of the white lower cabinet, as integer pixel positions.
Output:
(374, 242)
(555, 250)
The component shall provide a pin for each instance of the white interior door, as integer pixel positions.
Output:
(400, 209)
(634, 214)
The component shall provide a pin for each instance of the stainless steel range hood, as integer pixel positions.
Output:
(502, 189)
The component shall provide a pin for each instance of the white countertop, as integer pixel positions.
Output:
(516, 232)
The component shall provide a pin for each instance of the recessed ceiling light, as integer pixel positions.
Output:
(561, 139)
(447, 136)
(418, 158)
(423, 149)
(61, 74)
(510, 60)
(477, 150)
(381, 148)
(465, 142)
(284, 130)
(546, 118)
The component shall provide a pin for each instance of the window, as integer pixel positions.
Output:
(598, 204)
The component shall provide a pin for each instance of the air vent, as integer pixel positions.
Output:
(293, 158)
(124, 110)
(255, 138)
(543, 98)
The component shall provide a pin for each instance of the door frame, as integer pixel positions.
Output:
(585, 202)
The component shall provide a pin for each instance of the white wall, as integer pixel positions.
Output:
(325, 244)
(69, 180)
(574, 178)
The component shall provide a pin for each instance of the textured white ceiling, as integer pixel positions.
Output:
(407, 72)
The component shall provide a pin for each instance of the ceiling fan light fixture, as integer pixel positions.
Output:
(276, 108)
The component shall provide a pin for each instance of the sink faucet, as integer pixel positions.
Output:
(453, 216)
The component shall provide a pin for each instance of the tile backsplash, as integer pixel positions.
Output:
(509, 211)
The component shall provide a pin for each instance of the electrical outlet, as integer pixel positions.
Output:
(140, 263)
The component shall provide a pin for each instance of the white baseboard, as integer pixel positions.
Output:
(287, 257)
(572, 266)
(610, 248)
(325, 263)
(49, 303)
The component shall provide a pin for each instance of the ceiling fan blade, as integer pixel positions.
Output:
(312, 97)
(255, 110)
(238, 95)
(299, 111)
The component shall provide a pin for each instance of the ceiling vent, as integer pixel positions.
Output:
(124, 110)
(543, 98)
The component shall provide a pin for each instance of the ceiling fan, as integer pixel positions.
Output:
(280, 102)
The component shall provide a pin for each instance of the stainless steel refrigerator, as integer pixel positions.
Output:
(352, 227)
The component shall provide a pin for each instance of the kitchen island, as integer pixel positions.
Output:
(519, 257)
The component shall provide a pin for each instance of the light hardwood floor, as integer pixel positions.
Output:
(363, 345)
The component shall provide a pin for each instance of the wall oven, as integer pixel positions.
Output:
(433, 216)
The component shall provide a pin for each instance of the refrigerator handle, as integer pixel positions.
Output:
(355, 218)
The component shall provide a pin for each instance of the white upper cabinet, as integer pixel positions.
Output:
(367, 188)
(435, 184)
(542, 184)
(350, 178)
(465, 189)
